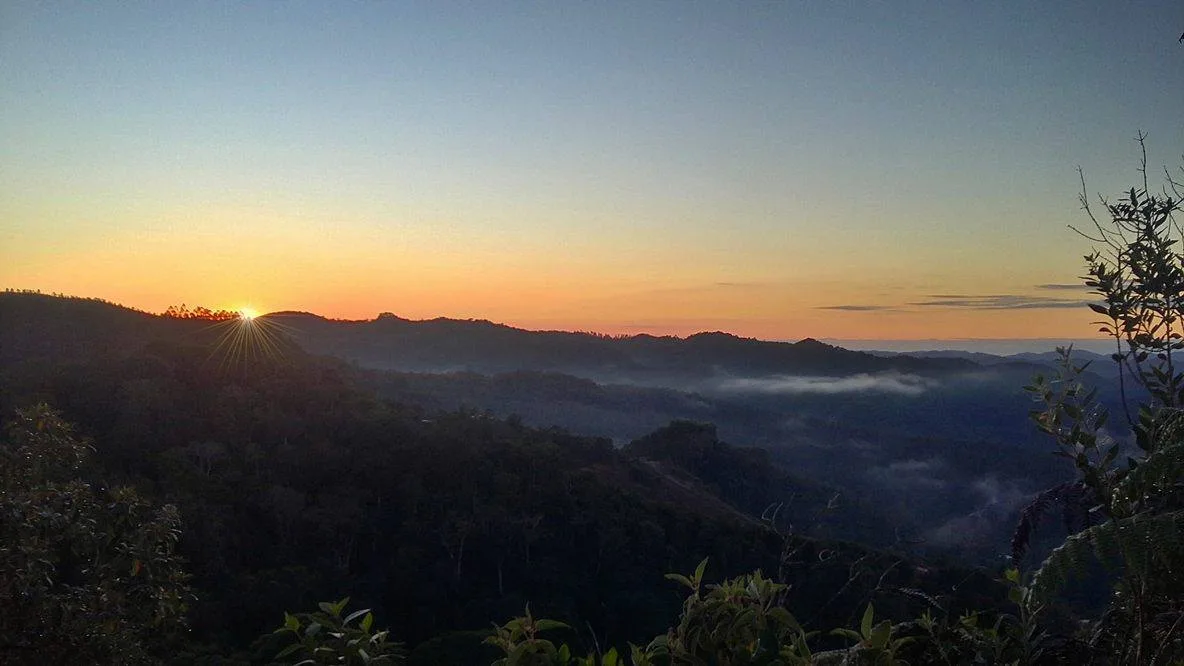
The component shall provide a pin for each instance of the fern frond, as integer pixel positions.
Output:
(1075, 498)
(1168, 426)
(1145, 545)
(1159, 477)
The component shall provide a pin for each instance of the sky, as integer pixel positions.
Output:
(775, 169)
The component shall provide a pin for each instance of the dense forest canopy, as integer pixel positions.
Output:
(296, 486)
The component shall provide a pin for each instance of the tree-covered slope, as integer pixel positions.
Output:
(295, 485)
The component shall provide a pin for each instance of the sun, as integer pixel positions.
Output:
(247, 336)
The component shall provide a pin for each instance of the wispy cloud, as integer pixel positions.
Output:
(975, 302)
(978, 528)
(999, 302)
(908, 385)
(1064, 287)
(911, 474)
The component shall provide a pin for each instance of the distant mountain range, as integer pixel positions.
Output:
(302, 475)
(36, 325)
(1100, 364)
(939, 441)
(991, 346)
(390, 342)
(448, 345)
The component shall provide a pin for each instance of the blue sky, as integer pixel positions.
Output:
(609, 166)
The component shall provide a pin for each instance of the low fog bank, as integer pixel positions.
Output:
(895, 383)
(950, 458)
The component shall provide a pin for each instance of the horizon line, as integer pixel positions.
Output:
(379, 315)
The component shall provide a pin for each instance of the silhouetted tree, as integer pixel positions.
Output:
(87, 575)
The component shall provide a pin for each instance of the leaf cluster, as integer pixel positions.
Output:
(329, 636)
(87, 575)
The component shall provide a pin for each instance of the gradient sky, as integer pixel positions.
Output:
(776, 169)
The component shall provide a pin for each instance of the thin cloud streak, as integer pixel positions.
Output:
(999, 302)
(973, 302)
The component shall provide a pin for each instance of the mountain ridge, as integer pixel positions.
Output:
(445, 344)
(442, 344)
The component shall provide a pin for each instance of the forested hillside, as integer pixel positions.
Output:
(173, 484)
(294, 485)
(287, 478)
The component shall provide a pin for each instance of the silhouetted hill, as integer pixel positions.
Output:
(928, 442)
(296, 482)
(443, 345)
(1100, 364)
(36, 326)
(755, 482)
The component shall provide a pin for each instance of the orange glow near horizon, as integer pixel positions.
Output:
(744, 167)
(675, 311)
(782, 284)
(779, 286)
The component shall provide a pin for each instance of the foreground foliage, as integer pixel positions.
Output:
(743, 622)
(87, 575)
(1128, 502)
(328, 636)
